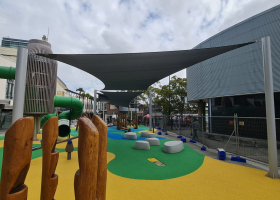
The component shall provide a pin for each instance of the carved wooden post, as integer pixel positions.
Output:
(50, 159)
(85, 182)
(16, 159)
(102, 158)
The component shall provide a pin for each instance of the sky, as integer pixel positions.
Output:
(121, 26)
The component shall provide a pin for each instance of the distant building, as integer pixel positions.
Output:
(61, 88)
(13, 43)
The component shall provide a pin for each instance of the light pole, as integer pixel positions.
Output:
(270, 110)
(20, 79)
(94, 103)
(150, 110)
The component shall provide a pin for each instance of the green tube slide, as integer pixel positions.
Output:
(75, 105)
(76, 109)
(7, 72)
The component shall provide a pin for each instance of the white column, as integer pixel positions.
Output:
(150, 110)
(94, 104)
(270, 111)
(20, 80)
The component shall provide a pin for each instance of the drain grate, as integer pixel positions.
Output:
(155, 161)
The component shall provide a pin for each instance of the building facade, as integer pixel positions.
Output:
(234, 82)
(13, 43)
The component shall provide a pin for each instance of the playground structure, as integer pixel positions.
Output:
(41, 75)
(134, 122)
(13, 187)
(76, 109)
(17, 156)
(35, 82)
(122, 122)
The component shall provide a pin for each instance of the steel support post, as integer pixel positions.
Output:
(210, 114)
(270, 111)
(103, 108)
(20, 80)
(94, 103)
(202, 130)
(150, 110)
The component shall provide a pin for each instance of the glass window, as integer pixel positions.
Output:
(7, 90)
(10, 89)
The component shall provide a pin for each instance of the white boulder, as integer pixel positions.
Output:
(153, 141)
(130, 135)
(142, 145)
(173, 147)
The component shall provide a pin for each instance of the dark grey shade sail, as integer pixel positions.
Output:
(121, 98)
(137, 71)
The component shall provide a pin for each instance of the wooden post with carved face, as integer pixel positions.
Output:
(16, 159)
(50, 159)
(102, 158)
(85, 182)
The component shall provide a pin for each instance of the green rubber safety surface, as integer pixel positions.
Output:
(132, 163)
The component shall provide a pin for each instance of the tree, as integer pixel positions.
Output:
(165, 95)
(80, 90)
(83, 95)
(87, 96)
(172, 97)
(179, 89)
(144, 97)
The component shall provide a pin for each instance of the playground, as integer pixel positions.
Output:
(131, 175)
(126, 161)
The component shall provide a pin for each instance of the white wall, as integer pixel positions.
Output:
(6, 62)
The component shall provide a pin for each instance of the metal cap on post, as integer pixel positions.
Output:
(20, 79)
(270, 111)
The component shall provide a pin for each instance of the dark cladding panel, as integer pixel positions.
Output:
(103, 98)
(240, 71)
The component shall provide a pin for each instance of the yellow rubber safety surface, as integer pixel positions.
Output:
(58, 146)
(213, 180)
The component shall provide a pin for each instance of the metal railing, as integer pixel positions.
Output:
(242, 136)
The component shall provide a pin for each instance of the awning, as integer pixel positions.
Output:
(137, 71)
(121, 98)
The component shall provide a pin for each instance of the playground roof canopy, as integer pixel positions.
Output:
(137, 71)
(121, 98)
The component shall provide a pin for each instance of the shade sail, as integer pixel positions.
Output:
(121, 98)
(137, 71)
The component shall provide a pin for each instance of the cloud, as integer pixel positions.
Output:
(121, 26)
